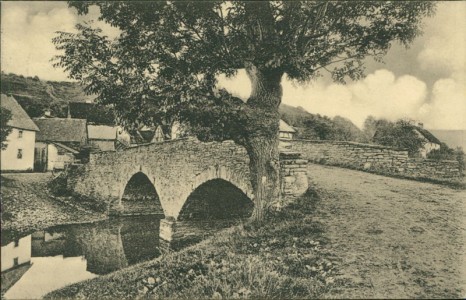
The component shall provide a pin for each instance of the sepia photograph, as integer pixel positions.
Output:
(233, 149)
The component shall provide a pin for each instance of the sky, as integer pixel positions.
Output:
(426, 82)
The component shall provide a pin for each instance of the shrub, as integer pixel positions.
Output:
(460, 158)
(399, 135)
(447, 153)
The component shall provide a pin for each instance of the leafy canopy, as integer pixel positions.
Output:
(400, 134)
(169, 54)
(5, 130)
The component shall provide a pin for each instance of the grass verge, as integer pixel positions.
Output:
(286, 257)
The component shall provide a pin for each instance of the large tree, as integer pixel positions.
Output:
(165, 63)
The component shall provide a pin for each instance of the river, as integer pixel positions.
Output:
(38, 263)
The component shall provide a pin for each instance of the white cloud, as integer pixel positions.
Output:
(27, 32)
(27, 39)
(380, 94)
(445, 42)
(447, 108)
(445, 52)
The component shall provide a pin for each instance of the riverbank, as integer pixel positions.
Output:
(28, 206)
(354, 235)
(287, 257)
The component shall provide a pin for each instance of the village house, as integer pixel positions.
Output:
(107, 138)
(19, 154)
(430, 141)
(151, 134)
(285, 131)
(103, 134)
(59, 142)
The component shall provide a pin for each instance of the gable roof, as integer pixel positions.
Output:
(61, 130)
(427, 135)
(19, 118)
(284, 127)
(92, 112)
(136, 137)
(102, 132)
(64, 147)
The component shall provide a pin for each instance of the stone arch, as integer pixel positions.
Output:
(214, 181)
(139, 193)
(239, 179)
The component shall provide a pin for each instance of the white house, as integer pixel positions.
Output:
(19, 154)
(16, 253)
(58, 142)
(285, 131)
(430, 141)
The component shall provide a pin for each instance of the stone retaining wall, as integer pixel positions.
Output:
(375, 158)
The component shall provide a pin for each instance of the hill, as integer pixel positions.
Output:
(37, 95)
(317, 127)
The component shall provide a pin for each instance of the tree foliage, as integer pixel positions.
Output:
(5, 116)
(165, 62)
(447, 153)
(169, 52)
(316, 127)
(400, 134)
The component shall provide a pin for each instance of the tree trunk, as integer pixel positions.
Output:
(262, 137)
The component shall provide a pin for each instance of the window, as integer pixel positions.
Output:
(15, 261)
(16, 243)
(20, 154)
(20, 134)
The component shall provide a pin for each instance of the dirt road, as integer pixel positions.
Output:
(396, 238)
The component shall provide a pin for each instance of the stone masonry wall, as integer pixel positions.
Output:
(374, 158)
(175, 168)
(293, 173)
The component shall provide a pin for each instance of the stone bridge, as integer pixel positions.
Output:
(180, 179)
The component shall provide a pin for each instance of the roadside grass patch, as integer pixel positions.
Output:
(286, 257)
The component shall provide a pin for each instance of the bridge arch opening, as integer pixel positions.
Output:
(216, 199)
(140, 196)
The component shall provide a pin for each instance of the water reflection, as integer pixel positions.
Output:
(50, 259)
(47, 260)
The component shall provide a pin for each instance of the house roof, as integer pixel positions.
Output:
(93, 113)
(136, 137)
(284, 127)
(69, 149)
(102, 132)
(61, 130)
(19, 118)
(428, 135)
